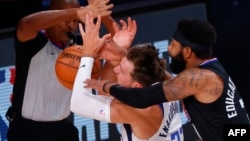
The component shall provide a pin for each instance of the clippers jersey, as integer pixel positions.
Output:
(229, 108)
(169, 130)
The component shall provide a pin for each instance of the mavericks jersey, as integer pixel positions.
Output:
(169, 130)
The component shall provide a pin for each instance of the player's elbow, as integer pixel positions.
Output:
(73, 105)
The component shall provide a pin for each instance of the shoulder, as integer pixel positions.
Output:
(38, 42)
(197, 74)
(205, 84)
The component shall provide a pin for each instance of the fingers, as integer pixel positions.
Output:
(89, 22)
(90, 26)
(91, 40)
(102, 6)
(98, 23)
(105, 13)
(124, 24)
(130, 25)
(81, 30)
(108, 6)
(134, 29)
(86, 82)
(107, 1)
(116, 27)
(107, 37)
(90, 83)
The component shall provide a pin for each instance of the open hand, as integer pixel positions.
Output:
(94, 84)
(116, 48)
(100, 7)
(125, 35)
(92, 43)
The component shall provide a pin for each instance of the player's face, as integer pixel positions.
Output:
(178, 62)
(123, 72)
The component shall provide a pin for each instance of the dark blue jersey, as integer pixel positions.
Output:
(209, 118)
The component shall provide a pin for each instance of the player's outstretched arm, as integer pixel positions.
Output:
(82, 97)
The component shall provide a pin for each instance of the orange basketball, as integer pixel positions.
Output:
(67, 64)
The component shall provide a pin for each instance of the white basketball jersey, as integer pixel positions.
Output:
(170, 129)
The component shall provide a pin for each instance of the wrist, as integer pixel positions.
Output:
(88, 55)
(106, 86)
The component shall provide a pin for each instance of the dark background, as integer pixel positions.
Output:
(231, 19)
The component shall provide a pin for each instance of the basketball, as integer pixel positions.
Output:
(67, 64)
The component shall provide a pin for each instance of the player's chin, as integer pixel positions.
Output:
(65, 39)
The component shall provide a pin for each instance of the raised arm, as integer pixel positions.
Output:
(30, 25)
(82, 97)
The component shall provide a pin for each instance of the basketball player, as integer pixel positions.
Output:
(139, 68)
(209, 94)
(41, 105)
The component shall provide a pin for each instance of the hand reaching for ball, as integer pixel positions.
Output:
(92, 43)
(115, 49)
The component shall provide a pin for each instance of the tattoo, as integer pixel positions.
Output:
(175, 87)
(215, 91)
(190, 82)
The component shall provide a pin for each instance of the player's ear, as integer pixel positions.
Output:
(137, 85)
(187, 52)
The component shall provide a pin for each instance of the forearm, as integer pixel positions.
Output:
(137, 97)
(108, 21)
(29, 26)
(45, 19)
(91, 106)
(82, 98)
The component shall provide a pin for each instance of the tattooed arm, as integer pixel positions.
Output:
(203, 84)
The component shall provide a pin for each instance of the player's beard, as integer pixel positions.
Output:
(178, 63)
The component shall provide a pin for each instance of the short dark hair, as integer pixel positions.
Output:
(199, 35)
(148, 67)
